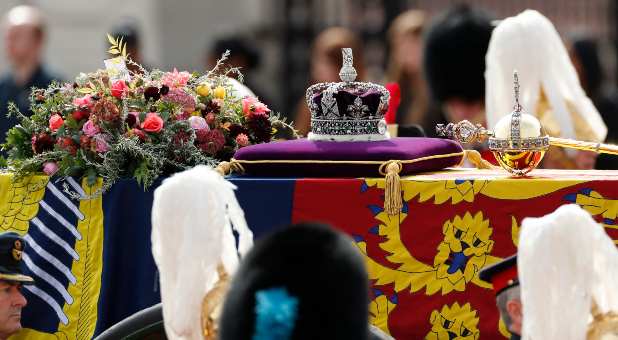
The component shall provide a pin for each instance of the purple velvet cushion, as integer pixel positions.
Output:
(305, 150)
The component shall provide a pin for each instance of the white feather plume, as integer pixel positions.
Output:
(193, 214)
(565, 261)
(530, 44)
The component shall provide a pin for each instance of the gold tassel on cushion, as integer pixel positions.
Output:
(392, 188)
(475, 158)
(226, 168)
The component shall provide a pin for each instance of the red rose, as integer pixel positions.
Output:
(152, 123)
(80, 114)
(55, 122)
(42, 142)
(119, 88)
(67, 144)
(84, 142)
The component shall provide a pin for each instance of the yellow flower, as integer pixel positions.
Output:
(196, 113)
(203, 89)
(219, 92)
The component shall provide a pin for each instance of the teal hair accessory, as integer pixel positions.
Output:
(276, 312)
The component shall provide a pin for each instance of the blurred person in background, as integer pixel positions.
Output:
(242, 55)
(128, 30)
(454, 62)
(326, 60)
(24, 38)
(584, 53)
(455, 44)
(404, 68)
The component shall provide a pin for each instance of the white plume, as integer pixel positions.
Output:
(193, 214)
(565, 261)
(530, 44)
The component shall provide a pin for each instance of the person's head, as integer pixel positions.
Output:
(298, 270)
(505, 282)
(405, 41)
(510, 308)
(129, 33)
(326, 59)
(11, 281)
(584, 53)
(11, 304)
(24, 34)
(242, 54)
(454, 61)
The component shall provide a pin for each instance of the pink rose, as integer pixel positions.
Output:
(175, 79)
(50, 168)
(90, 129)
(152, 123)
(242, 140)
(253, 105)
(55, 122)
(119, 88)
(246, 105)
(100, 144)
(84, 101)
(198, 123)
(260, 107)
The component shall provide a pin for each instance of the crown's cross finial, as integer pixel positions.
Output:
(516, 116)
(517, 106)
(347, 72)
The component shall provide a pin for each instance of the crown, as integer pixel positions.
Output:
(348, 110)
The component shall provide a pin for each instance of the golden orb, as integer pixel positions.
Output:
(518, 143)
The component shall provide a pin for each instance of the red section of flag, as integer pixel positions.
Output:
(351, 206)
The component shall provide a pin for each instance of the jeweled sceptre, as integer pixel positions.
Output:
(518, 141)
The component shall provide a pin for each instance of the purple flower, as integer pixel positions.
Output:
(182, 98)
(101, 145)
(90, 129)
(198, 123)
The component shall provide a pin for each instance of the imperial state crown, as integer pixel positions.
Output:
(347, 110)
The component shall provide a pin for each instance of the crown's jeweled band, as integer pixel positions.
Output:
(356, 120)
(519, 144)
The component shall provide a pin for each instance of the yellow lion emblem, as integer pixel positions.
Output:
(463, 252)
(595, 204)
(455, 322)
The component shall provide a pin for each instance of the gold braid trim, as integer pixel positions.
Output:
(235, 163)
(393, 201)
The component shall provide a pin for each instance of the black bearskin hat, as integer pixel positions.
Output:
(317, 266)
(454, 54)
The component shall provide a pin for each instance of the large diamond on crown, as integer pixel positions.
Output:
(348, 110)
